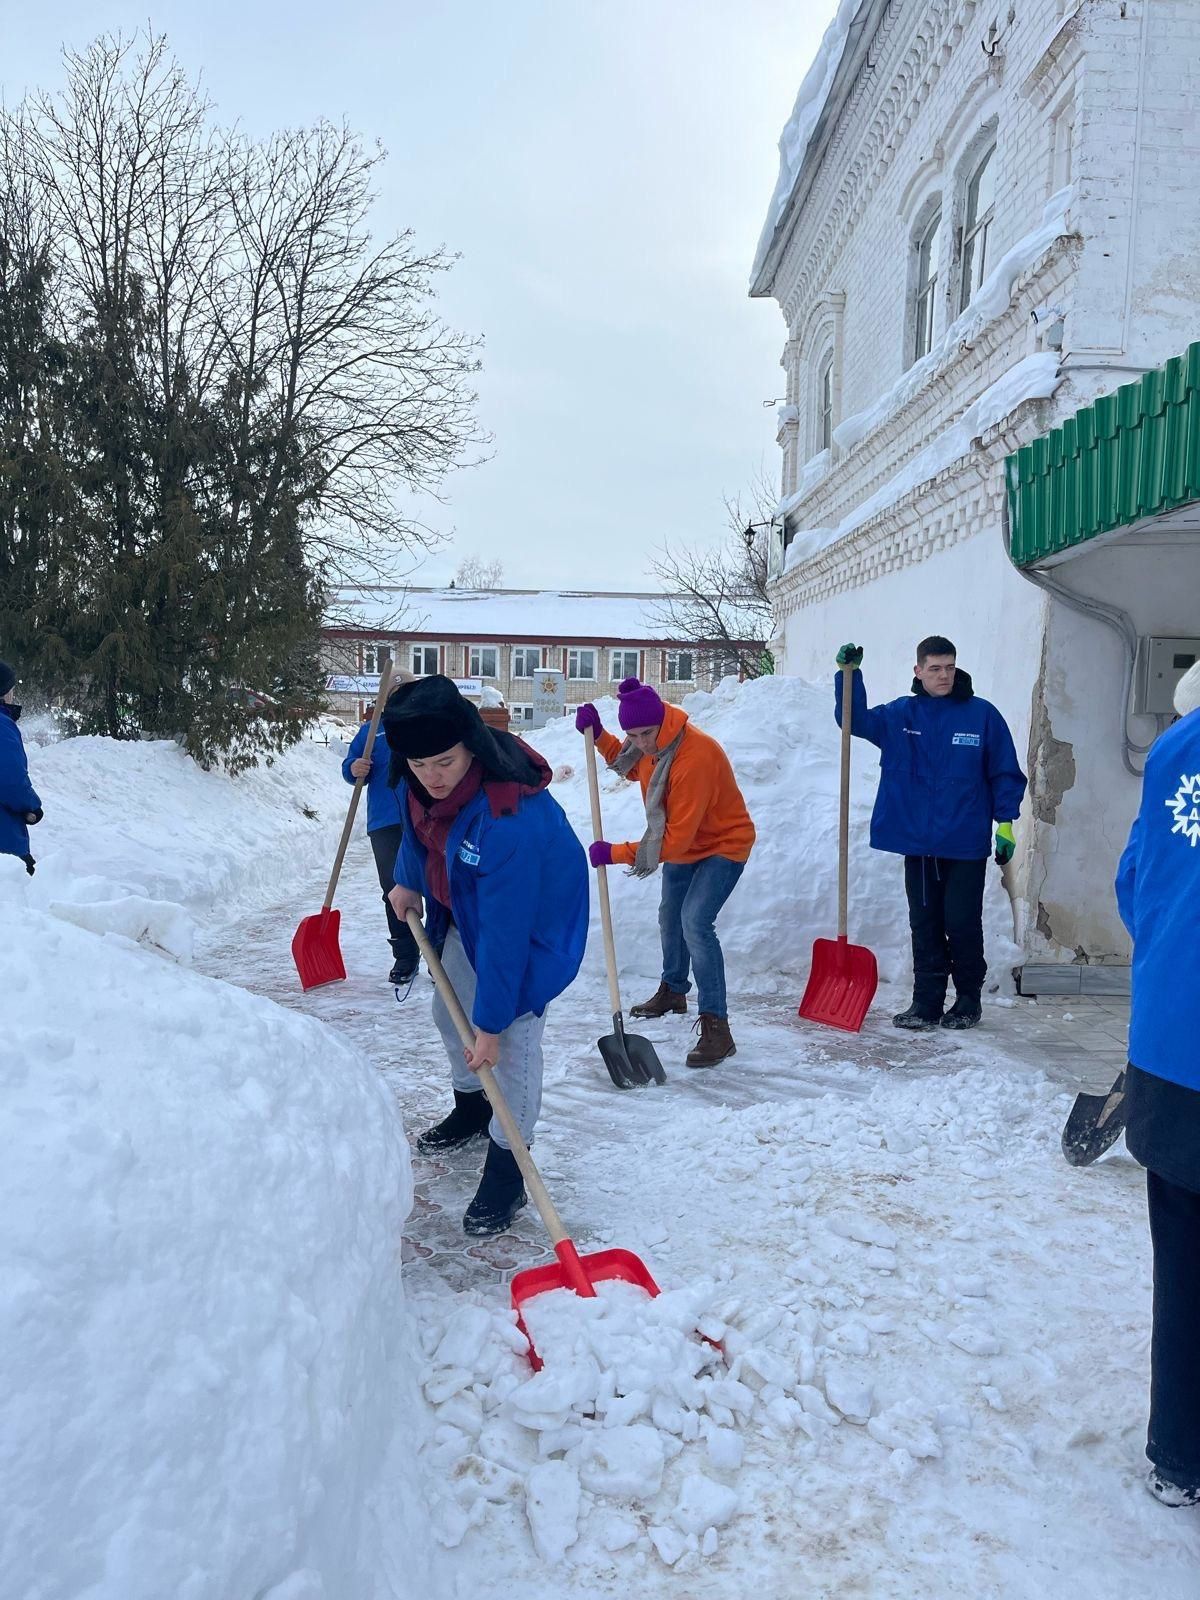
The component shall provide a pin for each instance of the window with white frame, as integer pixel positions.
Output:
(680, 666)
(928, 243)
(425, 660)
(581, 664)
(483, 661)
(978, 215)
(624, 664)
(824, 430)
(1062, 151)
(526, 660)
(521, 712)
(373, 657)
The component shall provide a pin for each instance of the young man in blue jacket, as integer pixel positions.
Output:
(385, 829)
(505, 883)
(1158, 892)
(20, 807)
(947, 770)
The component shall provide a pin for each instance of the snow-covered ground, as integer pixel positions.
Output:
(933, 1333)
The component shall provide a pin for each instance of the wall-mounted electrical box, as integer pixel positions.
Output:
(1160, 665)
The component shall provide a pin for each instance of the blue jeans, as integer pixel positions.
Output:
(692, 896)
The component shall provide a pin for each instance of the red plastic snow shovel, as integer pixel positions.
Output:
(572, 1271)
(843, 977)
(315, 947)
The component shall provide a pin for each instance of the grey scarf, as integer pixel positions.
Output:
(649, 850)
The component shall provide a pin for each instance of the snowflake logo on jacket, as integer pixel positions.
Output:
(1185, 803)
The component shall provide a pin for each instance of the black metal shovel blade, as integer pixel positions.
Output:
(630, 1059)
(1095, 1124)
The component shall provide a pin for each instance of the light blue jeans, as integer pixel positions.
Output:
(519, 1071)
(691, 898)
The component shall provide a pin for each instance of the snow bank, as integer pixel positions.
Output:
(141, 818)
(798, 129)
(1034, 378)
(879, 1302)
(780, 735)
(203, 1196)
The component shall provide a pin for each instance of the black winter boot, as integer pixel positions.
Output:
(467, 1121)
(964, 1013)
(405, 965)
(500, 1195)
(918, 1018)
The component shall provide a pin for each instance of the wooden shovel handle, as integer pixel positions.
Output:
(530, 1173)
(385, 678)
(844, 807)
(610, 949)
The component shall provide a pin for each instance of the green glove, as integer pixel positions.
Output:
(850, 655)
(1005, 844)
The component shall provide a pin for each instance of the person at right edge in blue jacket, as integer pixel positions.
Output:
(948, 769)
(1158, 894)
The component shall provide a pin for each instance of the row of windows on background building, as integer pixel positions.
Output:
(970, 261)
(483, 661)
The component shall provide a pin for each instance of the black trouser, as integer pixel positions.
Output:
(945, 913)
(385, 842)
(1173, 1442)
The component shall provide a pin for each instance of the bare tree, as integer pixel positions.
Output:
(715, 598)
(476, 573)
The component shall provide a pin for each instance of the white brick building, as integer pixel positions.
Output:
(986, 217)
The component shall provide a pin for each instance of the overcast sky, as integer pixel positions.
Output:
(604, 168)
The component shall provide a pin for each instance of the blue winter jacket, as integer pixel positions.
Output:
(947, 769)
(1158, 893)
(383, 805)
(519, 896)
(18, 797)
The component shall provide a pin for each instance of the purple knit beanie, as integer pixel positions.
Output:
(638, 705)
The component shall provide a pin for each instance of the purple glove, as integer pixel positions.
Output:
(588, 717)
(600, 853)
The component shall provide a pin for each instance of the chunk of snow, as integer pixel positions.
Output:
(704, 1504)
(625, 1463)
(552, 1499)
(848, 1393)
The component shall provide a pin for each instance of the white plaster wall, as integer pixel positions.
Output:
(1157, 581)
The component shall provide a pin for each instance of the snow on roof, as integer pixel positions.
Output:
(559, 614)
(800, 126)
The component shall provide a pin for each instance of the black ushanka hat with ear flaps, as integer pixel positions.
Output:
(430, 716)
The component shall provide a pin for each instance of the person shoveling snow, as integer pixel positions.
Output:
(699, 830)
(505, 880)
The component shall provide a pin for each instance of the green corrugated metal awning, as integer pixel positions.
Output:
(1131, 454)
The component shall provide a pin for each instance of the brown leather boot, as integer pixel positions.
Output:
(663, 1002)
(716, 1041)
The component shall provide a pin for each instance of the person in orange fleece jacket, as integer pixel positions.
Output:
(698, 830)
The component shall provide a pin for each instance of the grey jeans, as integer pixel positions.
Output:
(519, 1070)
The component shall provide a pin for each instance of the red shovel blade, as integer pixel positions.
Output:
(841, 984)
(316, 951)
(580, 1273)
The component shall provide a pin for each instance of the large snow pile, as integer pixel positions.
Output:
(203, 1195)
(780, 735)
(146, 818)
(911, 1396)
